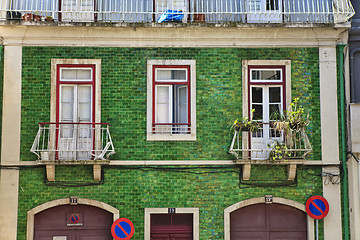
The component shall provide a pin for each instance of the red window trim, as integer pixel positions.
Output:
(154, 83)
(283, 83)
(58, 83)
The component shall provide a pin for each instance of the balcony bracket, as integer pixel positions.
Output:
(291, 171)
(246, 171)
(97, 172)
(50, 172)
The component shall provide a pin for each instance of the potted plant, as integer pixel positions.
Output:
(28, 17)
(246, 124)
(49, 19)
(293, 119)
(37, 17)
(279, 151)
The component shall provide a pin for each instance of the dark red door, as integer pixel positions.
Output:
(171, 226)
(268, 222)
(78, 222)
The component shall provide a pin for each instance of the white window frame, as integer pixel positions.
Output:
(245, 84)
(192, 104)
(193, 211)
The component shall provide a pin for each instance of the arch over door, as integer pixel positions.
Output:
(73, 222)
(268, 222)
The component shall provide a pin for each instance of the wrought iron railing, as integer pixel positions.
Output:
(209, 11)
(279, 146)
(73, 141)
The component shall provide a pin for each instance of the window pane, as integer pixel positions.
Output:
(275, 110)
(274, 94)
(83, 74)
(162, 104)
(258, 114)
(272, 5)
(257, 93)
(67, 94)
(67, 111)
(182, 104)
(75, 74)
(168, 75)
(84, 94)
(265, 75)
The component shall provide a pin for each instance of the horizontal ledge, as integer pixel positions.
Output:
(166, 162)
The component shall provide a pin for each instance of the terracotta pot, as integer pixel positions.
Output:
(49, 19)
(37, 18)
(199, 17)
(28, 17)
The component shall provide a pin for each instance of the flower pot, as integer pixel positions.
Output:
(11, 15)
(49, 19)
(28, 17)
(37, 18)
(199, 17)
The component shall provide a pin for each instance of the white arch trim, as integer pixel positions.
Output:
(64, 201)
(248, 202)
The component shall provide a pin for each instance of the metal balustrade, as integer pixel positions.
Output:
(208, 11)
(292, 146)
(72, 142)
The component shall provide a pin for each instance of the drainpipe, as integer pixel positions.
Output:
(345, 198)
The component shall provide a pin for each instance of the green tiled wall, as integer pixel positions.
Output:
(123, 97)
(131, 189)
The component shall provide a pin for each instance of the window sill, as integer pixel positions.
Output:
(170, 137)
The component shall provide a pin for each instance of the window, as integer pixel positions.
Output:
(264, 11)
(181, 223)
(171, 100)
(75, 106)
(267, 90)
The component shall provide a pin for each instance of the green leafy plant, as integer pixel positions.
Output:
(294, 118)
(279, 151)
(246, 124)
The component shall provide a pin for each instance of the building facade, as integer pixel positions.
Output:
(352, 100)
(125, 111)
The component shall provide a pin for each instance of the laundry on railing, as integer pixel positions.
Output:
(171, 15)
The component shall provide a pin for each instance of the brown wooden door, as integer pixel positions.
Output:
(268, 222)
(56, 223)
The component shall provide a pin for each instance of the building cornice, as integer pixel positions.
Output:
(32, 34)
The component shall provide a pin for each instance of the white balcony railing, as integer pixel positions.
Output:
(72, 142)
(209, 11)
(251, 146)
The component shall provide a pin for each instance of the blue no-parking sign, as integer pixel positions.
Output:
(317, 207)
(122, 229)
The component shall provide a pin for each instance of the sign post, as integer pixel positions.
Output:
(122, 229)
(317, 208)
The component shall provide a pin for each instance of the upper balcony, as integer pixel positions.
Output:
(185, 11)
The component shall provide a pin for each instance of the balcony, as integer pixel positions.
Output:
(280, 148)
(186, 11)
(73, 143)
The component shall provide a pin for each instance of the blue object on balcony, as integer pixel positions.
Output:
(171, 15)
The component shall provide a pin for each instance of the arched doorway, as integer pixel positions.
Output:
(254, 219)
(268, 222)
(59, 220)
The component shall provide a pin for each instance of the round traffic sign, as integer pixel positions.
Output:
(122, 229)
(317, 207)
(74, 218)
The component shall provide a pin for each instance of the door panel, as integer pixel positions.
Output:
(75, 140)
(268, 222)
(77, 10)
